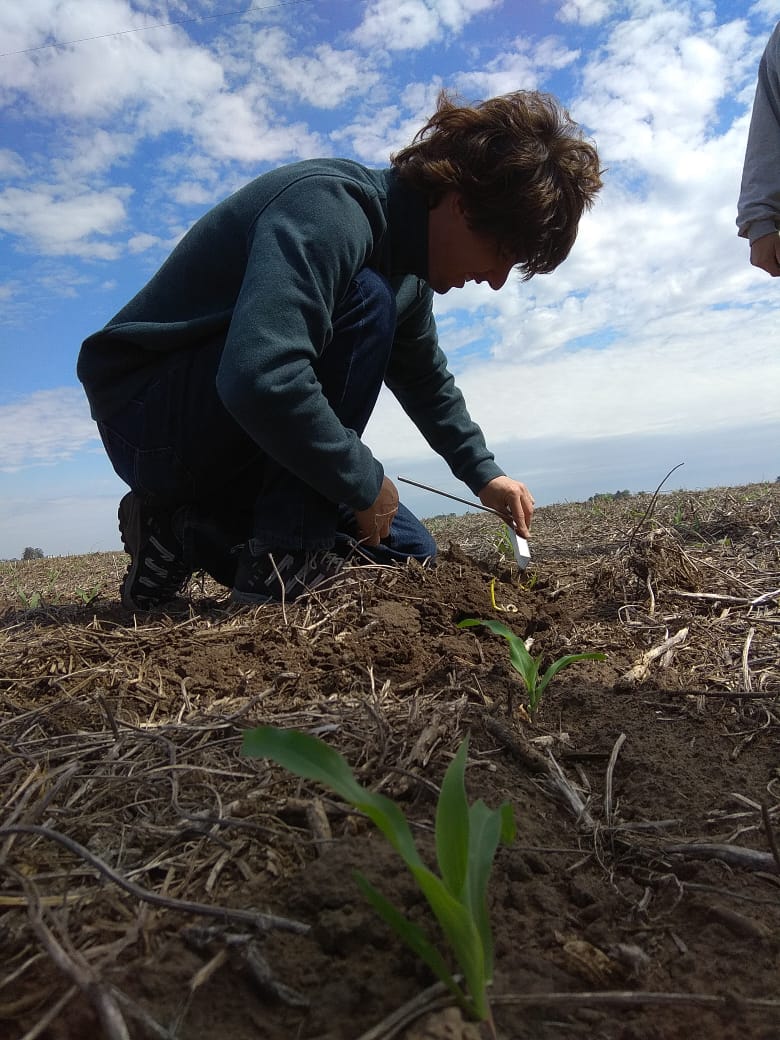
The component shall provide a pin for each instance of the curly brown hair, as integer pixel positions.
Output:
(522, 166)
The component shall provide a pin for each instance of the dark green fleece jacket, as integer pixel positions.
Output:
(266, 269)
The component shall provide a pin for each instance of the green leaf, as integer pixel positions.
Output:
(305, 756)
(498, 627)
(522, 661)
(508, 827)
(486, 832)
(525, 664)
(414, 937)
(461, 932)
(452, 825)
(562, 662)
(311, 758)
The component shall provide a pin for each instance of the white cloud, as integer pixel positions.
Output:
(660, 245)
(324, 76)
(230, 127)
(380, 130)
(43, 428)
(140, 243)
(522, 67)
(398, 25)
(11, 164)
(678, 379)
(106, 149)
(158, 73)
(64, 226)
(586, 12)
(147, 84)
(651, 94)
(191, 193)
(413, 24)
(768, 8)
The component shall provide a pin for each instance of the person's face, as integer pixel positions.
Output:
(457, 255)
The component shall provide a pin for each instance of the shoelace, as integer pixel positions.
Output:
(331, 559)
(161, 568)
(320, 567)
(310, 573)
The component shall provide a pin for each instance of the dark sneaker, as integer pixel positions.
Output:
(156, 572)
(271, 575)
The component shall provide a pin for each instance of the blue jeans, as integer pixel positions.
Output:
(177, 447)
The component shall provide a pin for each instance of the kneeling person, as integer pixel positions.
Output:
(232, 392)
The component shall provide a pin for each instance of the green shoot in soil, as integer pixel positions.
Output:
(503, 544)
(526, 665)
(467, 837)
(31, 600)
(88, 596)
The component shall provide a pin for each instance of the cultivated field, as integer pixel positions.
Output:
(156, 883)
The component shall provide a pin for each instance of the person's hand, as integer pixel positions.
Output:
(374, 523)
(765, 253)
(512, 499)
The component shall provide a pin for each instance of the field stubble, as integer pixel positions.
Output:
(154, 883)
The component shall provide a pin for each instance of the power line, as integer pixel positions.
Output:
(161, 25)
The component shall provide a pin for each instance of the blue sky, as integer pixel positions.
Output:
(655, 343)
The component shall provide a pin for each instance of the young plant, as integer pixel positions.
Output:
(34, 600)
(467, 837)
(31, 600)
(526, 665)
(503, 544)
(88, 596)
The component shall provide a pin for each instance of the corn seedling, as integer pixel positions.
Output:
(502, 544)
(525, 664)
(34, 600)
(31, 600)
(467, 837)
(88, 596)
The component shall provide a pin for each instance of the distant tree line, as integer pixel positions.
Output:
(609, 496)
(32, 554)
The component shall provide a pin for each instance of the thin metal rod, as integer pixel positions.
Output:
(445, 494)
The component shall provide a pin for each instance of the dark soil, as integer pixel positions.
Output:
(640, 900)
